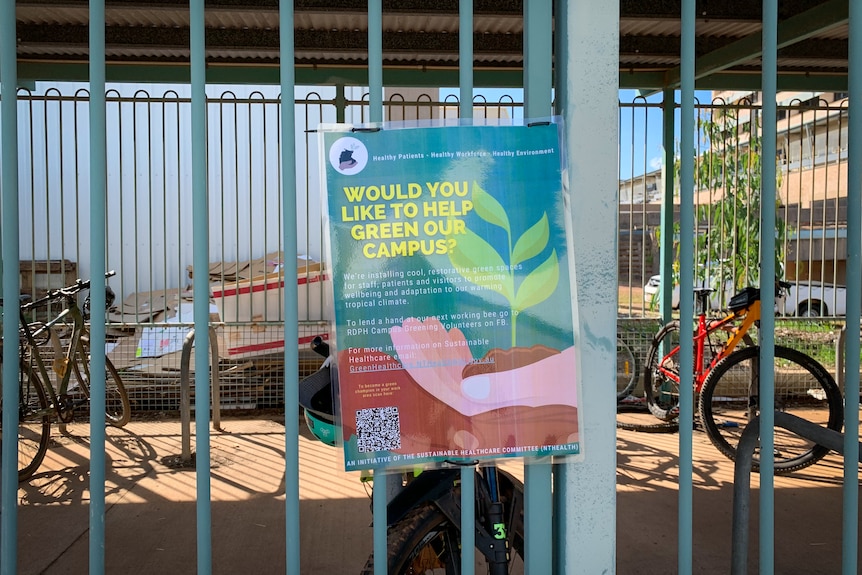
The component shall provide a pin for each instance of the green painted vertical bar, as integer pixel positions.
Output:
(538, 492)
(340, 103)
(291, 312)
(465, 84)
(686, 285)
(200, 241)
(666, 247)
(98, 191)
(465, 58)
(375, 60)
(380, 491)
(766, 332)
(561, 34)
(587, 82)
(11, 270)
(850, 523)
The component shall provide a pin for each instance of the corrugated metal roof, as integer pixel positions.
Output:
(416, 33)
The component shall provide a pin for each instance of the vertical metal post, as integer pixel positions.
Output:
(98, 197)
(766, 333)
(375, 60)
(380, 494)
(686, 284)
(850, 539)
(666, 247)
(340, 103)
(291, 312)
(465, 82)
(200, 232)
(538, 483)
(588, 97)
(11, 279)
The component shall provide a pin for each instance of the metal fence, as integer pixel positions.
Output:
(149, 216)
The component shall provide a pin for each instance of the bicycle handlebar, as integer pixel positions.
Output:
(64, 292)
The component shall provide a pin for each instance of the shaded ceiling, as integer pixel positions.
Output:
(149, 41)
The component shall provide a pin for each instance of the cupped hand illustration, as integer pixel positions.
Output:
(435, 359)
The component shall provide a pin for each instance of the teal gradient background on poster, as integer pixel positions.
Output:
(527, 187)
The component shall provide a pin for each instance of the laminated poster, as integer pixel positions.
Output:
(452, 282)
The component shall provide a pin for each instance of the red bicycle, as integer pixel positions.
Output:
(727, 381)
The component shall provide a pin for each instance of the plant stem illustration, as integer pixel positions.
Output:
(473, 255)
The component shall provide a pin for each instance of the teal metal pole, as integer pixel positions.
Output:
(375, 60)
(686, 285)
(465, 55)
(200, 240)
(560, 76)
(587, 81)
(666, 247)
(465, 82)
(380, 491)
(291, 313)
(538, 482)
(11, 270)
(766, 332)
(850, 532)
(98, 190)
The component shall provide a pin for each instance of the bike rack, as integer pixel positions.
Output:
(830, 438)
(185, 391)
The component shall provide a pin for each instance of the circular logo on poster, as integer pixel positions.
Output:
(348, 156)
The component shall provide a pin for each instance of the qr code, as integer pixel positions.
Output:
(378, 429)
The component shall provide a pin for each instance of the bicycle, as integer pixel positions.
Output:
(424, 518)
(727, 381)
(43, 393)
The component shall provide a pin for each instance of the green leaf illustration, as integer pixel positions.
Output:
(532, 242)
(539, 284)
(488, 208)
(472, 252)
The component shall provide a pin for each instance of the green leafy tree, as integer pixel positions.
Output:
(727, 241)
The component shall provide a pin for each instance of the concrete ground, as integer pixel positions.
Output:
(151, 512)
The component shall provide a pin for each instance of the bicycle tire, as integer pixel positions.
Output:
(118, 409)
(626, 369)
(662, 393)
(34, 424)
(802, 387)
(424, 540)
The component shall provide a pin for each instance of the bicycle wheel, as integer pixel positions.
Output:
(34, 425)
(117, 407)
(661, 374)
(626, 369)
(426, 541)
(730, 395)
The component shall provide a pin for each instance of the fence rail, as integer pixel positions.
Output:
(149, 210)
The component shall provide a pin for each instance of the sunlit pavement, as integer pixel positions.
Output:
(150, 520)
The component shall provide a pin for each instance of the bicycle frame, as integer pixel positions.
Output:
(749, 316)
(61, 365)
(438, 487)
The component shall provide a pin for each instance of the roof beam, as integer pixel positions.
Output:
(792, 30)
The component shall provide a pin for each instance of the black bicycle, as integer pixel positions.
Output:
(424, 519)
(49, 354)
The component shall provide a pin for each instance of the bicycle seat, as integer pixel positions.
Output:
(743, 299)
